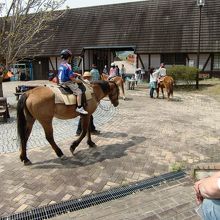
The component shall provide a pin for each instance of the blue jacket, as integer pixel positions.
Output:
(65, 72)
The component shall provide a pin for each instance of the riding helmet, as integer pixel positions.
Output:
(65, 54)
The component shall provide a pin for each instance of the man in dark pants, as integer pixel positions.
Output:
(87, 77)
(92, 127)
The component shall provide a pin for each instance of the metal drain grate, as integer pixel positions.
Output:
(50, 211)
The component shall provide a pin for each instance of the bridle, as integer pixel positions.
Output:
(115, 94)
(110, 97)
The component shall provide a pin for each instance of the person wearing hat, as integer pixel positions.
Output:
(87, 76)
(112, 72)
(95, 73)
(68, 78)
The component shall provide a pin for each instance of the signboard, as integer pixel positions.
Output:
(128, 58)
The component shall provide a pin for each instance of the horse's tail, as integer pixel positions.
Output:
(21, 119)
(171, 88)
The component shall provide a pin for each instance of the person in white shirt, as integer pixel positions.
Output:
(112, 72)
(153, 81)
(162, 70)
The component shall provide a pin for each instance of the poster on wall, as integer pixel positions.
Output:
(128, 58)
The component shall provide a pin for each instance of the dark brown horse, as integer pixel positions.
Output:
(166, 83)
(39, 104)
(118, 80)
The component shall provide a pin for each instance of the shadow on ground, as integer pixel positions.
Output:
(90, 156)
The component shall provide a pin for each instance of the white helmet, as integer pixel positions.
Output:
(112, 64)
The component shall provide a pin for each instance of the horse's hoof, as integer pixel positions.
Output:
(63, 157)
(72, 149)
(92, 145)
(124, 98)
(27, 163)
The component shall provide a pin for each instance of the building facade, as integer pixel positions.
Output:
(155, 31)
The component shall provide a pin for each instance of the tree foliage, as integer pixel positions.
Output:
(184, 74)
(22, 22)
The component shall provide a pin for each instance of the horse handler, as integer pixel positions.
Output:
(87, 76)
(153, 81)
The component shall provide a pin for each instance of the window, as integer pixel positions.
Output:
(173, 58)
(216, 64)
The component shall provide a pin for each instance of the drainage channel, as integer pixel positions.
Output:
(50, 211)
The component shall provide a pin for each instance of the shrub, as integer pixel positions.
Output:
(183, 74)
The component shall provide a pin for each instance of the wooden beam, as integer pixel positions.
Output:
(52, 65)
(139, 56)
(204, 66)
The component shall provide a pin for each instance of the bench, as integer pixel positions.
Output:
(19, 90)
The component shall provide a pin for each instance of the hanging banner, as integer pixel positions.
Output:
(128, 58)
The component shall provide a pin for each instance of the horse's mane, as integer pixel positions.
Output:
(103, 84)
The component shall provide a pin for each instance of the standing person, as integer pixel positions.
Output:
(123, 71)
(112, 72)
(208, 197)
(153, 81)
(68, 78)
(95, 73)
(117, 70)
(105, 70)
(87, 76)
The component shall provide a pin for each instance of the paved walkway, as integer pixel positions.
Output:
(144, 137)
(167, 202)
(62, 129)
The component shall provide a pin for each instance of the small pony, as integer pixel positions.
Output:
(119, 82)
(166, 83)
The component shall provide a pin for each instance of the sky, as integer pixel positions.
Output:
(86, 3)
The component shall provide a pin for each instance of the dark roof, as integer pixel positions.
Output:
(154, 26)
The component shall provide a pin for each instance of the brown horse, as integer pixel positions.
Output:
(166, 83)
(39, 104)
(118, 80)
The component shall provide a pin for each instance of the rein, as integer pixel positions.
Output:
(101, 106)
(109, 106)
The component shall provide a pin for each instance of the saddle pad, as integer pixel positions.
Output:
(69, 99)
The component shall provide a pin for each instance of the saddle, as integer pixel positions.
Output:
(161, 79)
(112, 78)
(66, 90)
(65, 96)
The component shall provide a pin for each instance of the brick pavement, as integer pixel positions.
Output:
(143, 139)
(62, 128)
(171, 201)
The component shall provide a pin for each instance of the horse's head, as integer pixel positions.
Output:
(114, 93)
(104, 88)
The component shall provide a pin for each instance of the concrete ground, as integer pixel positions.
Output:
(142, 138)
